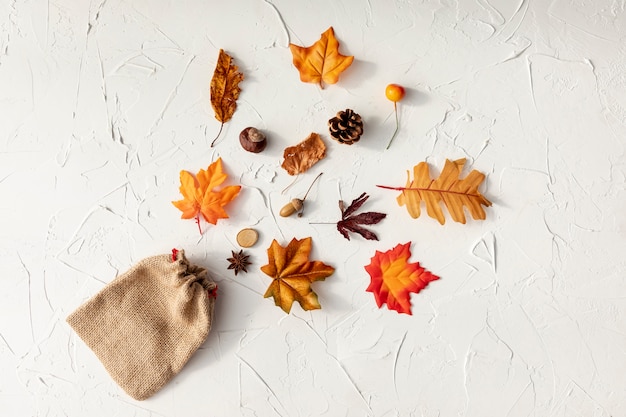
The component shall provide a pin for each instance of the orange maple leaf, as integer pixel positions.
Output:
(200, 196)
(293, 274)
(320, 61)
(393, 278)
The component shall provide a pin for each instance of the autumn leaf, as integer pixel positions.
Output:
(393, 278)
(304, 155)
(225, 89)
(293, 274)
(201, 197)
(351, 222)
(456, 194)
(320, 61)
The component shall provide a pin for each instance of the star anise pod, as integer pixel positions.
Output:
(239, 261)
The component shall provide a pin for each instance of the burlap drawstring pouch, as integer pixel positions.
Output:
(146, 323)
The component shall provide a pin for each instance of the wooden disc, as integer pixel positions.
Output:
(247, 237)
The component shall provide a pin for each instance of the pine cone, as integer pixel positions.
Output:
(346, 127)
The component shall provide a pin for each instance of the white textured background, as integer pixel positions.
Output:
(102, 103)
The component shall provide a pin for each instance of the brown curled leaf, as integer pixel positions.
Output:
(225, 89)
(304, 155)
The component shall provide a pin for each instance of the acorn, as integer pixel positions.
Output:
(294, 206)
(252, 140)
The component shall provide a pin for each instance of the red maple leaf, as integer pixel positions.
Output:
(394, 279)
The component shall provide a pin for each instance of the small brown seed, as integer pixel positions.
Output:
(291, 207)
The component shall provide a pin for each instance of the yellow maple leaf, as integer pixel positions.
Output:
(201, 197)
(320, 61)
(293, 274)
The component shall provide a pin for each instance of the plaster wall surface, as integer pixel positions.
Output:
(102, 103)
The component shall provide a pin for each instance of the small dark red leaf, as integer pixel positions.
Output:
(343, 229)
(371, 217)
(345, 226)
(349, 223)
(355, 205)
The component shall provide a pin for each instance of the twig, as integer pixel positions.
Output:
(218, 134)
(290, 185)
(307, 193)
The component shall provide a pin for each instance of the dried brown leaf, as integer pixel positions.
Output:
(225, 89)
(304, 155)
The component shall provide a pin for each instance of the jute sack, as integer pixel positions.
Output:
(146, 323)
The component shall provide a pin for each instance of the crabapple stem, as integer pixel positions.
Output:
(395, 110)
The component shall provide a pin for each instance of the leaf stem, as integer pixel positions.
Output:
(198, 223)
(307, 193)
(395, 110)
(435, 190)
(387, 187)
(290, 185)
(218, 134)
(310, 186)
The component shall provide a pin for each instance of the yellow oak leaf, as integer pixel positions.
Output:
(455, 193)
(320, 62)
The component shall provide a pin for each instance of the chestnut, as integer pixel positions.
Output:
(252, 140)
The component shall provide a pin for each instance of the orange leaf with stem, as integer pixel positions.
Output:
(201, 197)
(393, 278)
(455, 193)
(320, 62)
(293, 274)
